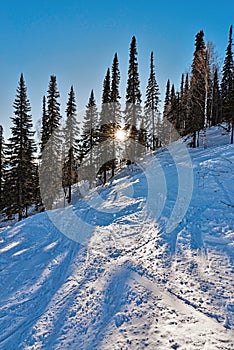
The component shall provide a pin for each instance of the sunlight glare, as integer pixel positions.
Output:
(120, 135)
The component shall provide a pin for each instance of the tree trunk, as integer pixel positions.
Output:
(113, 168)
(69, 194)
(232, 131)
(104, 175)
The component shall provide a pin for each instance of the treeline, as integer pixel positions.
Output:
(73, 152)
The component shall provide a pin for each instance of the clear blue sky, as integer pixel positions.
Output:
(76, 40)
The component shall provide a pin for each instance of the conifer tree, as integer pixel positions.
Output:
(198, 87)
(106, 99)
(20, 153)
(107, 127)
(133, 93)
(167, 104)
(89, 139)
(167, 99)
(115, 96)
(2, 166)
(132, 113)
(50, 167)
(184, 107)
(71, 134)
(215, 112)
(173, 114)
(151, 111)
(227, 85)
(173, 106)
(45, 128)
(116, 113)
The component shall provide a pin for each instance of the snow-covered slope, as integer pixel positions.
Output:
(137, 282)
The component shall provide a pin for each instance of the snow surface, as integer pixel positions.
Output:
(144, 278)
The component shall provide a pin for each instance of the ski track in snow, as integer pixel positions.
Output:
(134, 286)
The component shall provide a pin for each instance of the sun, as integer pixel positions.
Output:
(120, 135)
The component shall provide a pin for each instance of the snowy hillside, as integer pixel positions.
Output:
(146, 277)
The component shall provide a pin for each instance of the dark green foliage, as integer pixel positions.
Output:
(133, 93)
(197, 86)
(167, 99)
(185, 107)
(19, 182)
(148, 132)
(108, 126)
(227, 86)
(50, 167)
(2, 167)
(45, 128)
(110, 118)
(115, 96)
(216, 102)
(89, 139)
(105, 113)
(71, 145)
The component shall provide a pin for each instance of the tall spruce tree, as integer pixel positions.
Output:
(20, 153)
(115, 111)
(151, 108)
(45, 128)
(215, 110)
(115, 96)
(227, 85)
(51, 167)
(184, 107)
(89, 139)
(133, 93)
(105, 113)
(167, 99)
(198, 87)
(106, 128)
(132, 113)
(71, 144)
(167, 104)
(2, 166)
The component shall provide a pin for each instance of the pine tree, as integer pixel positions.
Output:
(198, 87)
(215, 113)
(71, 134)
(173, 106)
(89, 139)
(20, 153)
(105, 113)
(167, 99)
(53, 106)
(173, 114)
(50, 167)
(2, 166)
(132, 113)
(167, 105)
(133, 93)
(107, 127)
(151, 110)
(45, 129)
(179, 117)
(115, 96)
(227, 85)
(184, 107)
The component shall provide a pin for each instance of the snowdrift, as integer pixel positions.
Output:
(135, 266)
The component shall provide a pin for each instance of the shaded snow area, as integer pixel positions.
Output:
(136, 282)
